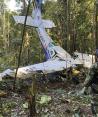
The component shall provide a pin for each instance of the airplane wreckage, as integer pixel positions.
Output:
(57, 58)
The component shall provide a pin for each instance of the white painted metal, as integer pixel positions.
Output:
(45, 67)
(86, 59)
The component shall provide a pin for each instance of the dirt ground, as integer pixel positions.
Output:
(65, 101)
(52, 100)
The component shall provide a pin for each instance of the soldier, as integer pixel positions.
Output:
(92, 81)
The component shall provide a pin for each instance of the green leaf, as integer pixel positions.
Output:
(25, 105)
(45, 99)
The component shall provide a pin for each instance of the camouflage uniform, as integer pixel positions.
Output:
(92, 81)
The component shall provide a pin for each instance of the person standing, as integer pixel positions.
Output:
(92, 81)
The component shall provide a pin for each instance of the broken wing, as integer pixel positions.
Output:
(45, 67)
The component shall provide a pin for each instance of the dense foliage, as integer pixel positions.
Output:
(75, 24)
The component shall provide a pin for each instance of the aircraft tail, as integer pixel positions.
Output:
(34, 22)
(35, 19)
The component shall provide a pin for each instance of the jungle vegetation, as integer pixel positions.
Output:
(75, 31)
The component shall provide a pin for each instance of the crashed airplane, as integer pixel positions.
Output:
(57, 58)
(86, 59)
